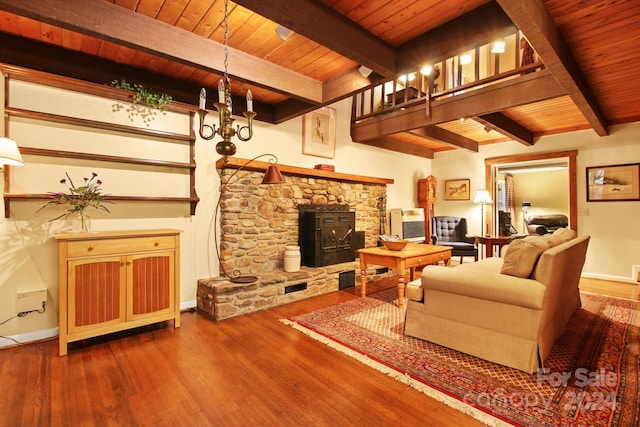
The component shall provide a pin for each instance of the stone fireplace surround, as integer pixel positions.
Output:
(257, 221)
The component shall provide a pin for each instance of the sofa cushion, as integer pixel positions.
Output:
(521, 258)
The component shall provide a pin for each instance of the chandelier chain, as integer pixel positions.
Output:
(226, 49)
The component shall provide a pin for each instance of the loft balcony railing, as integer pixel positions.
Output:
(469, 71)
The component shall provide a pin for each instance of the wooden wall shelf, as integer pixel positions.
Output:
(37, 77)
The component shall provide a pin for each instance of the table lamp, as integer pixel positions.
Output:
(525, 208)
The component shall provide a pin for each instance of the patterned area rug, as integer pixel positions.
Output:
(590, 377)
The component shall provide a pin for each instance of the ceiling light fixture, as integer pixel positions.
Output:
(498, 47)
(426, 70)
(465, 59)
(224, 106)
(365, 71)
(283, 32)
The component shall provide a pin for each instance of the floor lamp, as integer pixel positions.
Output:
(525, 209)
(271, 176)
(483, 198)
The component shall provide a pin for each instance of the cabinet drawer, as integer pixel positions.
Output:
(118, 246)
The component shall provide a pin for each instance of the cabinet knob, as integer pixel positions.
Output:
(156, 244)
(90, 248)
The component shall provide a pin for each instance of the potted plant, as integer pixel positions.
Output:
(78, 199)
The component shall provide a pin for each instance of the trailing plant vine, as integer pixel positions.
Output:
(142, 97)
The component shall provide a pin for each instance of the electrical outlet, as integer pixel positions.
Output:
(583, 212)
(32, 299)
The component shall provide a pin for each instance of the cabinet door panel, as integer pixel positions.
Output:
(96, 293)
(151, 284)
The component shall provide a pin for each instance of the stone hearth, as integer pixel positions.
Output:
(257, 222)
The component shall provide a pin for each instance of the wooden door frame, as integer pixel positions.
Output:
(571, 155)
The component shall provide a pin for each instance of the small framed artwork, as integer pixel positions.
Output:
(319, 133)
(613, 183)
(457, 189)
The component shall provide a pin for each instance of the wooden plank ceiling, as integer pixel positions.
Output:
(590, 48)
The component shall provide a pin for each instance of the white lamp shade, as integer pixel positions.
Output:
(483, 197)
(9, 153)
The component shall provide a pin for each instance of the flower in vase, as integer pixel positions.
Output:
(77, 199)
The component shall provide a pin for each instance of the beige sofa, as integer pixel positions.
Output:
(507, 310)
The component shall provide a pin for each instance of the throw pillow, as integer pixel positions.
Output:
(565, 234)
(522, 256)
(553, 239)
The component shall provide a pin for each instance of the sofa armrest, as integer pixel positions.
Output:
(434, 239)
(484, 285)
(469, 239)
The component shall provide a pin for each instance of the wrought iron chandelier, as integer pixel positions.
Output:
(224, 106)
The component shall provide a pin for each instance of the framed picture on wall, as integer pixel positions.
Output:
(319, 133)
(457, 189)
(613, 183)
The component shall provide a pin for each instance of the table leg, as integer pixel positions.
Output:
(363, 277)
(489, 249)
(400, 272)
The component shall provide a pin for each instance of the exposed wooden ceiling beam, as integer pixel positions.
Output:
(447, 137)
(325, 26)
(527, 89)
(475, 28)
(400, 147)
(536, 23)
(98, 18)
(503, 124)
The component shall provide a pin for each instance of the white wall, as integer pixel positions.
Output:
(29, 253)
(615, 237)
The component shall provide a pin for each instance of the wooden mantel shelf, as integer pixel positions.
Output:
(237, 163)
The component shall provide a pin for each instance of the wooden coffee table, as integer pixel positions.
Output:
(413, 255)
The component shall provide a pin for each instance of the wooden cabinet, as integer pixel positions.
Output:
(111, 281)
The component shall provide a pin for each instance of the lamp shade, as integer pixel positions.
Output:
(483, 197)
(9, 153)
(272, 175)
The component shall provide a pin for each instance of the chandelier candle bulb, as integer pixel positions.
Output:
(221, 92)
(203, 98)
(249, 101)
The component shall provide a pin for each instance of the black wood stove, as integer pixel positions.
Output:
(326, 234)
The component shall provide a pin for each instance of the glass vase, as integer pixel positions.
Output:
(80, 222)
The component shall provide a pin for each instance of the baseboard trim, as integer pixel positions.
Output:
(29, 337)
(607, 277)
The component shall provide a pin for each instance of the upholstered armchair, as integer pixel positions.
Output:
(452, 231)
(545, 224)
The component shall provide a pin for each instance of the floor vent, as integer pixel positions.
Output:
(347, 280)
(295, 288)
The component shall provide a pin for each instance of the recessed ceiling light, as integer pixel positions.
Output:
(283, 32)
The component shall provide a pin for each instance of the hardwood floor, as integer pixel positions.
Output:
(248, 370)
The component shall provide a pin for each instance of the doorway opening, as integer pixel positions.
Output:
(499, 167)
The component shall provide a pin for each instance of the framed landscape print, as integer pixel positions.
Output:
(613, 183)
(457, 189)
(319, 133)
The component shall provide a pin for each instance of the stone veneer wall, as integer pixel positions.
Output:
(257, 221)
